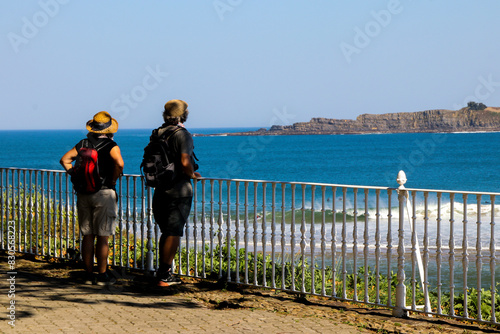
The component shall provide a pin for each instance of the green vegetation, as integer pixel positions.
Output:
(476, 106)
(472, 305)
(299, 273)
(41, 223)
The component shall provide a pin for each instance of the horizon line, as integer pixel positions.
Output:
(149, 128)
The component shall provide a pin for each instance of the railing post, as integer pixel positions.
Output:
(149, 243)
(400, 307)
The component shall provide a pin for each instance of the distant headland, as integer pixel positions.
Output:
(473, 118)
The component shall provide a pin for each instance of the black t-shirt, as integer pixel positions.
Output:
(104, 161)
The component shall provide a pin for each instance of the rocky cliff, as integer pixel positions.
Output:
(440, 120)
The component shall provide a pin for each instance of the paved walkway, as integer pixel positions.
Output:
(50, 298)
(53, 305)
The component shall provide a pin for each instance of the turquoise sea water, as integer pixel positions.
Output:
(454, 161)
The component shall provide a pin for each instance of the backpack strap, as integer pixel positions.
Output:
(194, 158)
(103, 144)
(82, 143)
(161, 133)
(158, 136)
(87, 143)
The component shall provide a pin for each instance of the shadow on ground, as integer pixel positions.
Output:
(65, 279)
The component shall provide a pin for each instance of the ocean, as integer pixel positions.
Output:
(452, 161)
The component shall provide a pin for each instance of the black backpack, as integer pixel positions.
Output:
(85, 176)
(157, 166)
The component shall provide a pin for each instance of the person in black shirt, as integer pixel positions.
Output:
(172, 203)
(97, 211)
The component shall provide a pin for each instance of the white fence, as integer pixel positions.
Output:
(429, 251)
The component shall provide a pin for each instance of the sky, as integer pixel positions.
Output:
(240, 63)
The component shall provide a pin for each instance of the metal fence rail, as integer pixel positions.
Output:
(429, 251)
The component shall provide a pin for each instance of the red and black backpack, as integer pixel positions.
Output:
(85, 177)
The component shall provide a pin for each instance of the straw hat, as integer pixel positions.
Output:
(102, 123)
(175, 108)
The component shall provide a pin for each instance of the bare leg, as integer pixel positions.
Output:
(168, 247)
(88, 252)
(102, 251)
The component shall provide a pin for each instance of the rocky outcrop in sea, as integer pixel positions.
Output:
(466, 119)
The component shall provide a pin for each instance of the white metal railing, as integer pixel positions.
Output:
(428, 251)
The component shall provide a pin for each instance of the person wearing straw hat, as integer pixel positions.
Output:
(97, 211)
(172, 203)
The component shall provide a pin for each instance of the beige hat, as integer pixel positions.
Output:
(102, 123)
(175, 108)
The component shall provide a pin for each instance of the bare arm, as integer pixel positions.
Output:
(67, 160)
(116, 156)
(187, 167)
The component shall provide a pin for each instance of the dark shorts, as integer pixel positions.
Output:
(171, 213)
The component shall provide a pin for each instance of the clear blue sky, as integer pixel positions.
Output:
(242, 63)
